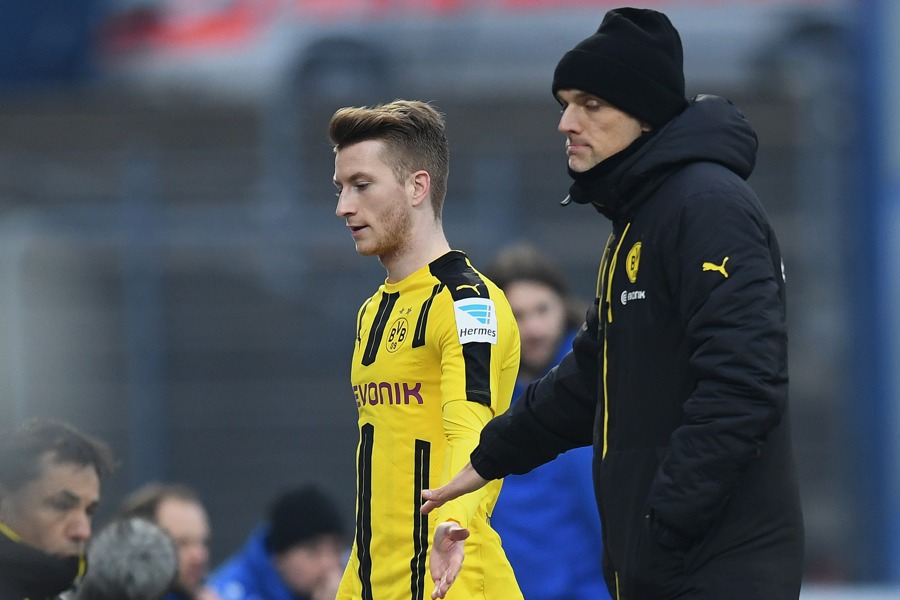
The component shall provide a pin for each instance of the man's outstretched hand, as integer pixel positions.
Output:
(467, 480)
(448, 548)
(447, 554)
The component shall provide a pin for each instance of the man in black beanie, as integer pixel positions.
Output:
(679, 376)
(298, 554)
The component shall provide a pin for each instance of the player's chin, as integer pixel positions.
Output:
(365, 249)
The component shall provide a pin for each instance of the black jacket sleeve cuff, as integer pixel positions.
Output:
(484, 466)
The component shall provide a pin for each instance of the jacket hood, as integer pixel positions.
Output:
(711, 129)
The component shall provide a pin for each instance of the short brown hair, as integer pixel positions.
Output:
(523, 262)
(22, 449)
(145, 501)
(412, 132)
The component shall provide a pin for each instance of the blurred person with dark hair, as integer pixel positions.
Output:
(435, 358)
(560, 560)
(679, 376)
(297, 554)
(129, 559)
(178, 510)
(50, 477)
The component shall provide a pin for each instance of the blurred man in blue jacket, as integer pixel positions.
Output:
(561, 559)
(298, 554)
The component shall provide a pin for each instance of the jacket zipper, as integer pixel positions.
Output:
(604, 292)
(601, 296)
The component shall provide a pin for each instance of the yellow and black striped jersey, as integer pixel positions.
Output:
(436, 357)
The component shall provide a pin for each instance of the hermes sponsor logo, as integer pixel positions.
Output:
(385, 392)
(476, 320)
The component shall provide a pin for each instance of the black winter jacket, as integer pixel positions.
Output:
(679, 376)
(28, 573)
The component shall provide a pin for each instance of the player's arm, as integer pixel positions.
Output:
(476, 367)
(463, 421)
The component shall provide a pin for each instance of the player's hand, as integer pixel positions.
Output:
(447, 553)
(467, 480)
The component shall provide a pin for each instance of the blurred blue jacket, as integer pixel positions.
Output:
(548, 522)
(250, 574)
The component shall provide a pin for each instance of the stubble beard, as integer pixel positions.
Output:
(395, 240)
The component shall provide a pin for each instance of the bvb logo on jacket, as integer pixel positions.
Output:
(632, 263)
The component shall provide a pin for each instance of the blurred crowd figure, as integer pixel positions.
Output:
(177, 509)
(156, 547)
(298, 553)
(50, 477)
(561, 559)
(130, 559)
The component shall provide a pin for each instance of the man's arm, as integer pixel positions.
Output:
(736, 325)
(466, 481)
(555, 413)
(567, 428)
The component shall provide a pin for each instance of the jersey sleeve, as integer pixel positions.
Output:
(463, 422)
(479, 346)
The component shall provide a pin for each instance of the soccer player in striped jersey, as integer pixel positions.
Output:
(435, 357)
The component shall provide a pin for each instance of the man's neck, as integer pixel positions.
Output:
(415, 256)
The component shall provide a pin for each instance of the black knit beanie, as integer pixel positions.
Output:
(299, 516)
(634, 62)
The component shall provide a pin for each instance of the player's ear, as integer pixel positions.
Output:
(420, 187)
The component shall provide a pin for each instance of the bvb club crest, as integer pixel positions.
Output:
(397, 335)
(632, 262)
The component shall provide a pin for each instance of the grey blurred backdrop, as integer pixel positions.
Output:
(173, 278)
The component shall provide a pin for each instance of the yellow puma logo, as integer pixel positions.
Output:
(708, 266)
(468, 285)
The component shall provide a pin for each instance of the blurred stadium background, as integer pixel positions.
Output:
(173, 279)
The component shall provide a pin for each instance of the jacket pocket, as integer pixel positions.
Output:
(622, 486)
(652, 570)
(646, 570)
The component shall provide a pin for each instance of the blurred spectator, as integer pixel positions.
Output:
(296, 555)
(178, 510)
(130, 559)
(561, 559)
(49, 491)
